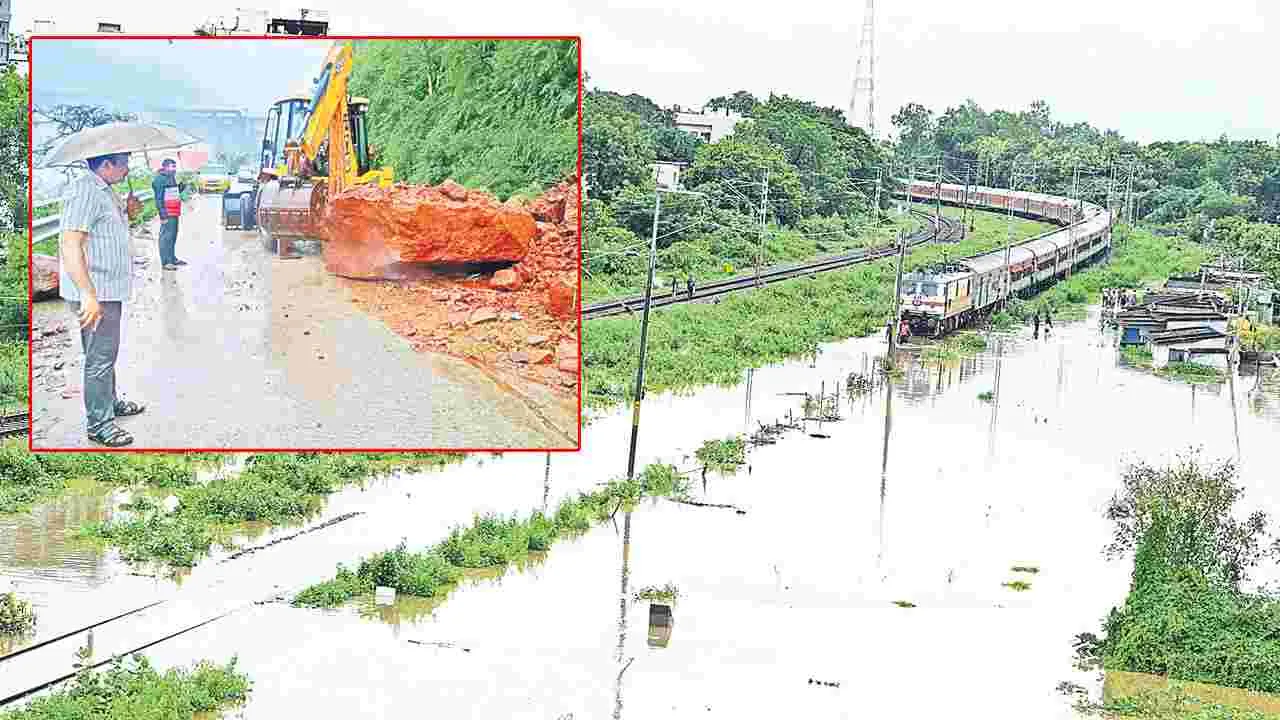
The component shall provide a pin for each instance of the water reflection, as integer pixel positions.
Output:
(624, 600)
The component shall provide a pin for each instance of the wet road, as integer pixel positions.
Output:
(802, 586)
(242, 350)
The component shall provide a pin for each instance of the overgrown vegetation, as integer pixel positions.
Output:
(491, 541)
(723, 456)
(16, 615)
(1138, 356)
(498, 115)
(1192, 372)
(1187, 615)
(667, 594)
(133, 689)
(955, 346)
(1176, 703)
(273, 488)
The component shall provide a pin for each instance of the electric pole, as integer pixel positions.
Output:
(644, 326)
(937, 195)
(764, 220)
(897, 300)
(879, 173)
(1008, 239)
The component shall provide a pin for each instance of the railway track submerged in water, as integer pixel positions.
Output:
(940, 229)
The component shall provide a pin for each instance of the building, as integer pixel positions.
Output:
(1179, 327)
(667, 173)
(710, 126)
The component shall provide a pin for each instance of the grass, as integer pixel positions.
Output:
(986, 396)
(273, 488)
(490, 542)
(667, 594)
(16, 615)
(723, 456)
(27, 478)
(1192, 372)
(692, 346)
(1017, 585)
(1138, 356)
(1176, 703)
(134, 689)
(717, 257)
(956, 346)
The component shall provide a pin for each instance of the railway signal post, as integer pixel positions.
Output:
(644, 324)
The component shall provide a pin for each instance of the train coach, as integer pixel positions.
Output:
(941, 298)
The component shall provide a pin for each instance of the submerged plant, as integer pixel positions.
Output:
(723, 456)
(986, 396)
(1018, 585)
(17, 617)
(668, 594)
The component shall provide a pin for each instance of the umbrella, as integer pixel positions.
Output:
(120, 137)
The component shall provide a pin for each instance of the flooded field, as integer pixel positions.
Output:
(924, 494)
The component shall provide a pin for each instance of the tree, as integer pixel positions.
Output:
(70, 119)
(675, 145)
(741, 102)
(15, 173)
(616, 150)
(916, 127)
(735, 166)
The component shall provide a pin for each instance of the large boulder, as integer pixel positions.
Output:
(44, 276)
(371, 229)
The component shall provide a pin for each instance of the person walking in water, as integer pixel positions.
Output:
(1048, 323)
(1036, 332)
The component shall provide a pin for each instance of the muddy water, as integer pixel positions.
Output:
(802, 586)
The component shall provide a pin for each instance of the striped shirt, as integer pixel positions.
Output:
(90, 205)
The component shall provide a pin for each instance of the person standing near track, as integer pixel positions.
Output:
(689, 285)
(95, 278)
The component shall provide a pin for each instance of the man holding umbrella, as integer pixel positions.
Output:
(96, 261)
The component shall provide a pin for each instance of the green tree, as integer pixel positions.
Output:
(741, 102)
(616, 149)
(15, 175)
(735, 166)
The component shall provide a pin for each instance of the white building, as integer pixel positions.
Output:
(710, 126)
(1202, 345)
(667, 173)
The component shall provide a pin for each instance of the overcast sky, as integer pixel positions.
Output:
(247, 74)
(1152, 69)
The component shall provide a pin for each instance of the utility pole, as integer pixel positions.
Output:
(964, 207)
(897, 300)
(937, 196)
(644, 326)
(876, 210)
(764, 220)
(1008, 280)
(1071, 235)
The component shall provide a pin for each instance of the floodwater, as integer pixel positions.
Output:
(801, 587)
(240, 349)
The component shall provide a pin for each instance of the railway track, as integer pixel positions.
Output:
(943, 231)
(14, 424)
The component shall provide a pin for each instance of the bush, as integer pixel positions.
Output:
(16, 615)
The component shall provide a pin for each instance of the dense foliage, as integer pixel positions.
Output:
(133, 689)
(500, 115)
(491, 541)
(820, 186)
(16, 615)
(1173, 181)
(1187, 615)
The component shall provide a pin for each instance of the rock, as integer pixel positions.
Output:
(458, 319)
(540, 357)
(506, 279)
(411, 332)
(569, 365)
(44, 275)
(535, 339)
(550, 206)
(561, 298)
(519, 357)
(453, 191)
(369, 229)
(515, 316)
(567, 351)
(484, 314)
(58, 365)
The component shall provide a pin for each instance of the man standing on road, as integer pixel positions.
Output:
(95, 277)
(168, 199)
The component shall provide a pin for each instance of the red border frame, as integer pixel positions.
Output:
(281, 38)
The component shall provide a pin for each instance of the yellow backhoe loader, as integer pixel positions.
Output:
(313, 148)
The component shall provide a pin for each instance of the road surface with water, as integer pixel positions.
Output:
(240, 349)
(801, 587)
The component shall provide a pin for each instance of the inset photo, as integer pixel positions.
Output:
(293, 243)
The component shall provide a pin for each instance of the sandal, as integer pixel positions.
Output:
(111, 436)
(125, 408)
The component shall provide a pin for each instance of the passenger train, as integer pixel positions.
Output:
(940, 299)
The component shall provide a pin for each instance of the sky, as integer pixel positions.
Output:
(126, 73)
(1153, 70)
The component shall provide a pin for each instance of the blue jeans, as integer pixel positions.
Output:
(168, 241)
